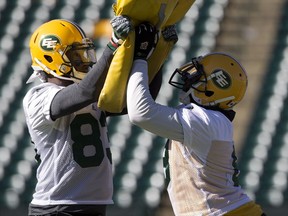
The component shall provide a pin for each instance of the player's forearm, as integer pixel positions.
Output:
(144, 112)
(77, 96)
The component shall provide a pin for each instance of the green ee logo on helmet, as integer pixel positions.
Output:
(221, 79)
(49, 42)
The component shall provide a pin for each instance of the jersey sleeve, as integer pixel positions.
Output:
(37, 102)
(145, 112)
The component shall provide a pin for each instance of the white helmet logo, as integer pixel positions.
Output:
(48, 43)
(221, 79)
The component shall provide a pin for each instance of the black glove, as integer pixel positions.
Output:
(121, 26)
(146, 38)
(170, 33)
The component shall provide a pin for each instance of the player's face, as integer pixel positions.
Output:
(82, 57)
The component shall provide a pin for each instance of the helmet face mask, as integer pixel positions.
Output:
(190, 74)
(61, 48)
(81, 56)
(216, 80)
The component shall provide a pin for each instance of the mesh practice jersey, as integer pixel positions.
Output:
(201, 172)
(200, 162)
(75, 165)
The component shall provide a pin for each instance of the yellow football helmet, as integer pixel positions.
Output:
(61, 48)
(215, 80)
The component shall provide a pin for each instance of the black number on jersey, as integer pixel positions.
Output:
(166, 163)
(87, 147)
(236, 170)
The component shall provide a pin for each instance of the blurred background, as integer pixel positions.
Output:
(255, 32)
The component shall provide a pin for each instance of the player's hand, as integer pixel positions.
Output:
(146, 38)
(121, 26)
(169, 33)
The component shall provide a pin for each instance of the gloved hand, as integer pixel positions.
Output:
(146, 38)
(170, 33)
(121, 25)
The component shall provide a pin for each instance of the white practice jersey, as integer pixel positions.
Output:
(73, 152)
(201, 171)
(200, 162)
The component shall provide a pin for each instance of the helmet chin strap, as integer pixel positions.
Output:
(184, 96)
(48, 70)
(185, 99)
(213, 103)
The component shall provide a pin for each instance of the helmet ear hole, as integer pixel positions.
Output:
(209, 93)
(48, 58)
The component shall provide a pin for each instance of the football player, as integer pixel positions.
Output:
(199, 160)
(69, 131)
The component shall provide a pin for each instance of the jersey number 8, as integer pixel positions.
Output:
(87, 148)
